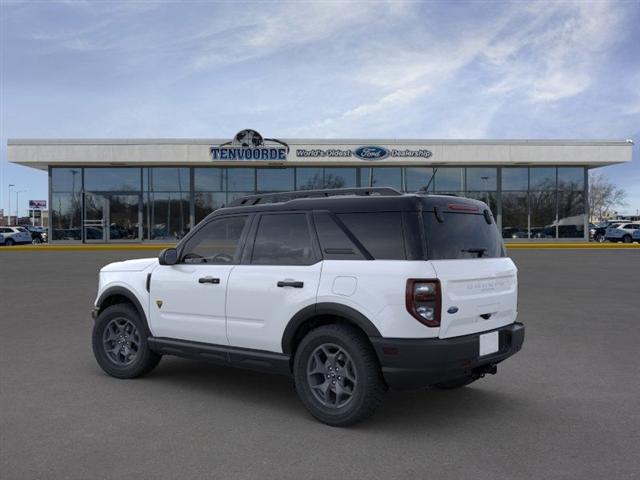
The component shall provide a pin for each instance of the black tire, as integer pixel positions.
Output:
(9, 242)
(136, 357)
(599, 238)
(366, 393)
(453, 384)
(626, 239)
(36, 241)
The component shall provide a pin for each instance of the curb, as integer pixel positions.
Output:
(49, 248)
(572, 246)
(160, 246)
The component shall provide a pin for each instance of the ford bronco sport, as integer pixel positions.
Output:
(348, 291)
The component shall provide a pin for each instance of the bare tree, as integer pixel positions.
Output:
(604, 196)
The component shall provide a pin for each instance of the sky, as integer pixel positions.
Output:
(374, 69)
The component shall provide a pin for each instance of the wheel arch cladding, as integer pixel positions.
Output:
(322, 314)
(117, 295)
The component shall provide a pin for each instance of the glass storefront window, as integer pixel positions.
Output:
(167, 215)
(340, 178)
(241, 179)
(309, 178)
(66, 216)
(209, 179)
(385, 177)
(490, 198)
(449, 180)
(166, 179)
(275, 179)
(66, 179)
(482, 179)
(515, 215)
(515, 178)
(542, 178)
(207, 202)
(112, 179)
(571, 211)
(417, 179)
(570, 178)
(543, 214)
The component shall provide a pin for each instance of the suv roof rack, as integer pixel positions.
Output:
(280, 197)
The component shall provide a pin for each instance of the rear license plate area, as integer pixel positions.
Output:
(489, 343)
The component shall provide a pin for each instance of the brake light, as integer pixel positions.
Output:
(462, 207)
(423, 301)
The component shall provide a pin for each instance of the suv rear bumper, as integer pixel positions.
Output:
(409, 363)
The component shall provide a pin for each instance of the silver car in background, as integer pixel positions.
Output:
(622, 232)
(15, 235)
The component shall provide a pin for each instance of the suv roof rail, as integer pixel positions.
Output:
(280, 197)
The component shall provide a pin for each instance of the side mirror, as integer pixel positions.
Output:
(168, 256)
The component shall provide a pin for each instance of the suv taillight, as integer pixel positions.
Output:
(423, 301)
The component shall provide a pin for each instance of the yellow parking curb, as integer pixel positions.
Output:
(160, 246)
(582, 246)
(80, 247)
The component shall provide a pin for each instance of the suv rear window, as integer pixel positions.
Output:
(461, 235)
(379, 232)
(283, 239)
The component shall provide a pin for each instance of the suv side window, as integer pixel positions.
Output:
(334, 242)
(283, 239)
(380, 233)
(215, 243)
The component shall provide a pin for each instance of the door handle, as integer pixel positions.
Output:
(215, 281)
(290, 283)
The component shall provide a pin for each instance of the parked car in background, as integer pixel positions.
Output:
(635, 236)
(38, 234)
(513, 232)
(1, 239)
(15, 235)
(621, 233)
(599, 231)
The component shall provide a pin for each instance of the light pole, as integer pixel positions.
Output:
(9, 211)
(18, 192)
(486, 193)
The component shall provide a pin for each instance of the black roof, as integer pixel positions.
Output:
(350, 200)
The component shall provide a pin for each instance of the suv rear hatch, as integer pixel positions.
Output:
(478, 282)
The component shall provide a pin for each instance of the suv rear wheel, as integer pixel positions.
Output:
(626, 238)
(337, 375)
(120, 343)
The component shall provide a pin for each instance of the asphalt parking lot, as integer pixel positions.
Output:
(567, 406)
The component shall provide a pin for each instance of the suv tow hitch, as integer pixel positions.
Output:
(479, 372)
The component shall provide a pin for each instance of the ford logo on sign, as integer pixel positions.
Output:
(371, 153)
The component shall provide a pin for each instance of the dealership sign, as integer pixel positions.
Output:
(250, 145)
(366, 152)
(38, 204)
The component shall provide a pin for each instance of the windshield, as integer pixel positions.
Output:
(461, 235)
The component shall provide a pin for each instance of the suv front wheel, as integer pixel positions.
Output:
(120, 343)
(337, 375)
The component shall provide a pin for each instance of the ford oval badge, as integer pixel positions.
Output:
(371, 153)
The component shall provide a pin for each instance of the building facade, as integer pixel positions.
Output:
(134, 190)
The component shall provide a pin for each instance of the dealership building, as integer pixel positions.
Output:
(133, 190)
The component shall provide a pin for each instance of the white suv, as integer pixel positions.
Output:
(348, 291)
(622, 232)
(15, 235)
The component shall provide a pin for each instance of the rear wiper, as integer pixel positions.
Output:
(479, 251)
